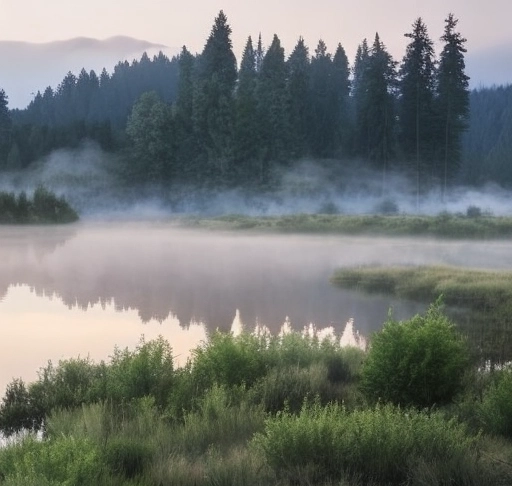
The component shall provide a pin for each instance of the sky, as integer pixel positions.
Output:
(486, 25)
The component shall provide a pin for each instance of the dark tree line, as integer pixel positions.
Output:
(88, 106)
(201, 120)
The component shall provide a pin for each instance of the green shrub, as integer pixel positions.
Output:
(495, 410)
(127, 457)
(418, 362)
(62, 461)
(146, 371)
(383, 444)
(228, 360)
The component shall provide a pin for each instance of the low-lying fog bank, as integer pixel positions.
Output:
(91, 180)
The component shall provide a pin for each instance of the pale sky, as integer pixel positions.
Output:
(188, 22)
(485, 24)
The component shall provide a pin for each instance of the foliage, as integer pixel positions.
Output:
(495, 410)
(382, 444)
(44, 208)
(419, 362)
(60, 461)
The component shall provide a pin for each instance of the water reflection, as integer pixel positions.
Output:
(78, 290)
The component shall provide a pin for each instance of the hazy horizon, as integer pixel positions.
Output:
(487, 32)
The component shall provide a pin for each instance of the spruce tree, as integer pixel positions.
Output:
(5, 129)
(341, 86)
(213, 103)
(246, 135)
(359, 97)
(273, 109)
(416, 112)
(323, 108)
(452, 98)
(299, 92)
(380, 105)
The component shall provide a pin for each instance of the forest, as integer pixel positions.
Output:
(210, 122)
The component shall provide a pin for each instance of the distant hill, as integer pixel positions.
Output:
(27, 67)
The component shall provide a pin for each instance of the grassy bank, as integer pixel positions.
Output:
(444, 225)
(480, 301)
(259, 410)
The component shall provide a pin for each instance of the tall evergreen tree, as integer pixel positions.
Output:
(416, 114)
(323, 109)
(187, 147)
(380, 105)
(341, 84)
(5, 128)
(359, 96)
(299, 92)
(213, 104)
(273, 108)
(247, 137)
(452, 98)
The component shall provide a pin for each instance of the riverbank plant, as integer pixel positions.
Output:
(250, 410)
(44, 207)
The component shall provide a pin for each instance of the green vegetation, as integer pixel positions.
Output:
(43, 208)
(262, 410)
(419, 362)
(480, 301)
(443, 225)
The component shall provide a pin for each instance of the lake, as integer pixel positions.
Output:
(80, 290)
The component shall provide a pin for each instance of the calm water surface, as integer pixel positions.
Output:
(80, 290)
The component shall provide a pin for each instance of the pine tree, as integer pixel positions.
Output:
(246, 136)
(5, 129)
(187, 149)
(416, 114)
(273, 109)
(323, 108)
(298, 67)
(380, 105)
(452, 98)
(213, 104)
(341, 86)
(359, 95)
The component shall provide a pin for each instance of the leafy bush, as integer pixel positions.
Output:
(228, 360)
(63, 461)
(495, 411)
(127, 457)
(146, 371)
(419, 362)
(383, 444)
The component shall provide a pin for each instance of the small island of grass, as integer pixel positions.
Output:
(44, 207)
(444, 225)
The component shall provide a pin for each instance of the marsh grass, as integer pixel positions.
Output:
(480, 301)
(384, 444)
(443, 225)
(233, 430)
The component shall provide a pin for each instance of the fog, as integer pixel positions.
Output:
(90, 180)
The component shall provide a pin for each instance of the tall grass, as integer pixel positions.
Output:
(385, 444)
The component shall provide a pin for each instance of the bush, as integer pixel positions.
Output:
(127, 457)
(147, 371)
(419, 362)
(495, 411)
(384, 444)
(229, 360)
(63, 461)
